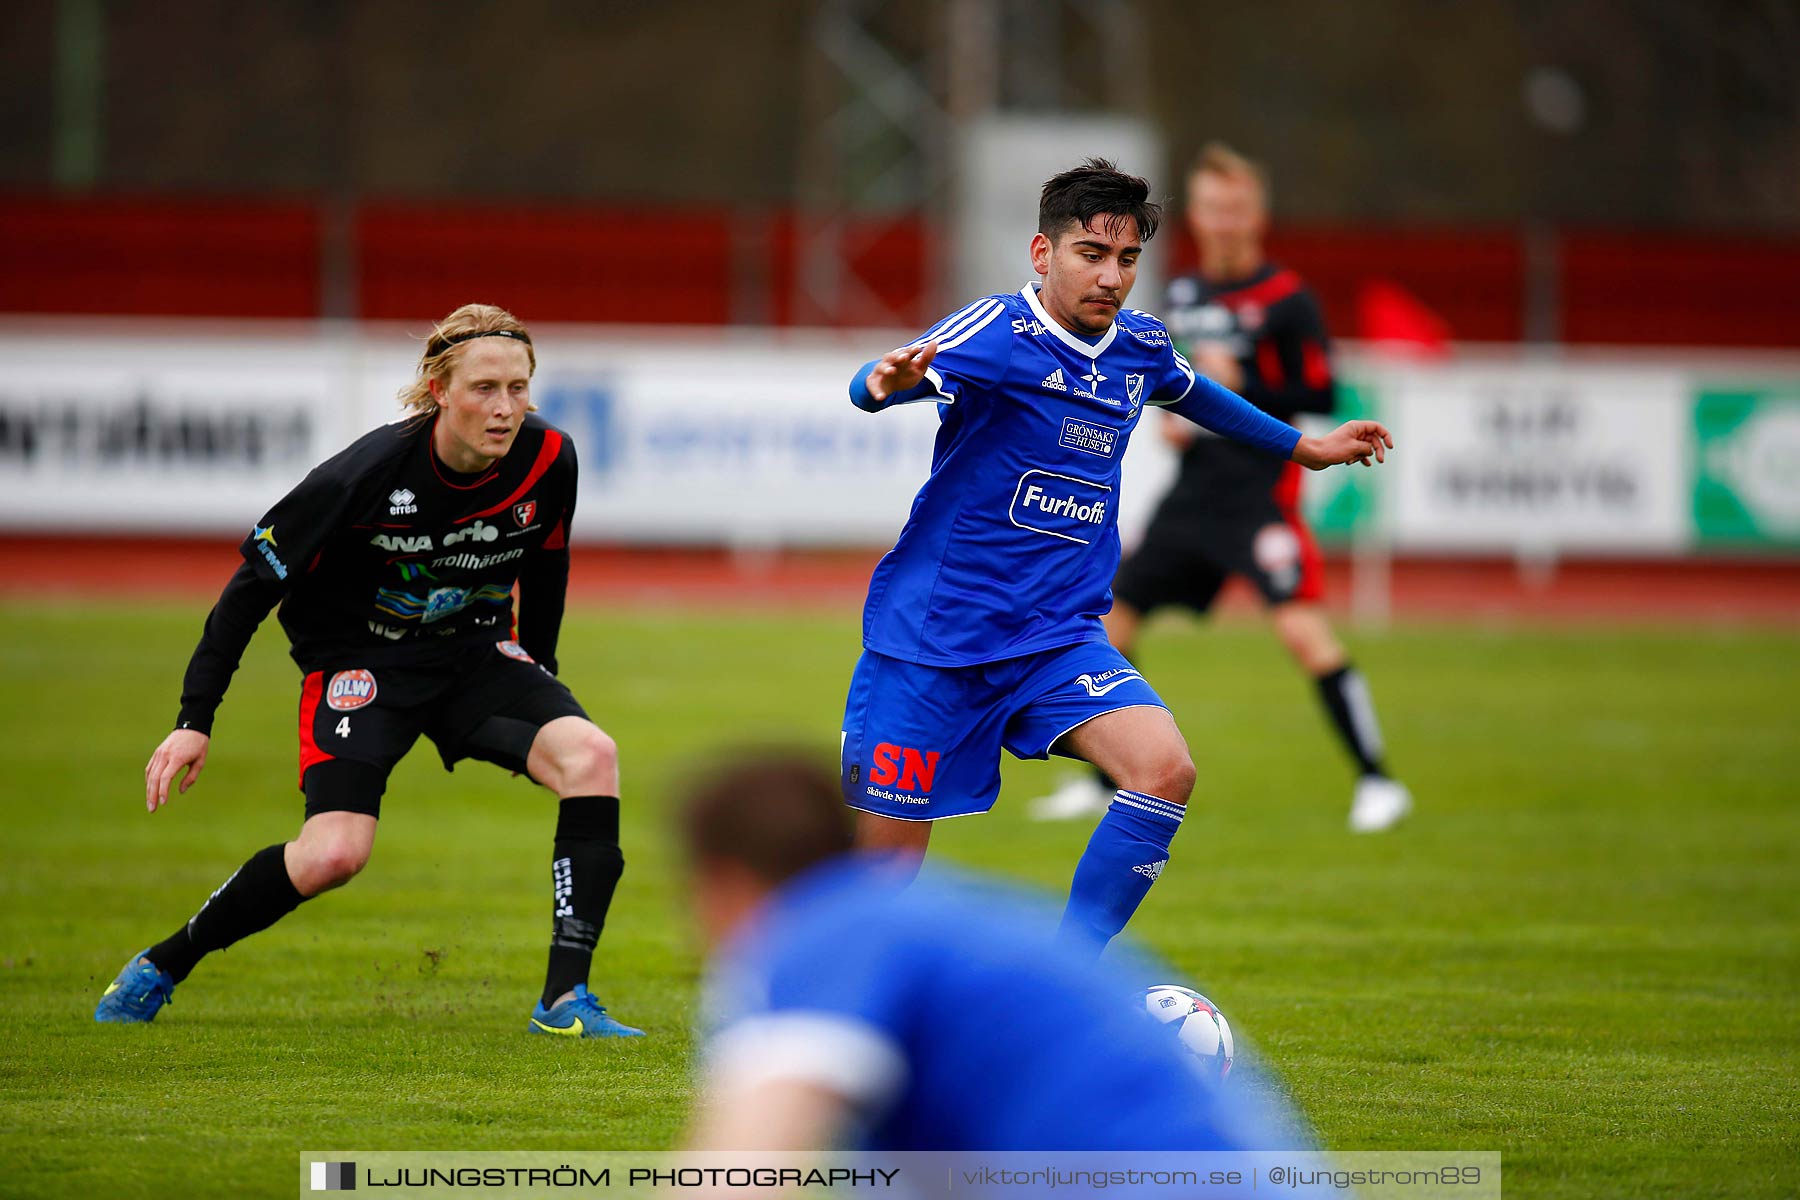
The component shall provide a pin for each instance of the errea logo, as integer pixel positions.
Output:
(400, 502)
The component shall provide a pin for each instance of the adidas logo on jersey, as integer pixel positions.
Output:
(1151, 870)
(1055, 381)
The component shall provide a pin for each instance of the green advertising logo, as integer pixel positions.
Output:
(1340, 502)
(1747, 465)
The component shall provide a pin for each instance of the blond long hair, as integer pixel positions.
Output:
(443, 349)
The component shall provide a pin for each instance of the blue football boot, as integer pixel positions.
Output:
(580, 1016)
(137, 995)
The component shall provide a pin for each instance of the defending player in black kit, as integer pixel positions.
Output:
(1254, 327)
(394, 564)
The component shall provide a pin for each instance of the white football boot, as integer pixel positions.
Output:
(1380, 804)
(1078, 796)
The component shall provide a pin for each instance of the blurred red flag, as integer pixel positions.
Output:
(1393, 319)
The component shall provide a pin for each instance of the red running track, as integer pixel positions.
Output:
(1735, 591)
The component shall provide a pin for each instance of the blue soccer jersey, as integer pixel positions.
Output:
(949, 1018)
(1013, 540)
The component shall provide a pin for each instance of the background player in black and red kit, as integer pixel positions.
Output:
(394, 564)
(1253, 326)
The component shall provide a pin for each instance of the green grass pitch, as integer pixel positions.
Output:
(1583, 950)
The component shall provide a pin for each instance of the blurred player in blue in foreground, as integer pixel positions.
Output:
(982, 628)
(849, 1009)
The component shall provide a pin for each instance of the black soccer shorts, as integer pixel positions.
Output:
(356, 722)
(1189, 551)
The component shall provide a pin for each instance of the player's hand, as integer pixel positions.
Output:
(183, 752)
(900, 369)
(1220, 366)
(1351, 442)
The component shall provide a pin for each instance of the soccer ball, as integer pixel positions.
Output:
(1197, 1024)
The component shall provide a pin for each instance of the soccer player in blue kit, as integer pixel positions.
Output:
(982, 627)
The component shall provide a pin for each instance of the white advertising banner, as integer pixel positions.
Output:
(741, 440)
(1536, 458)
(743, 443)
(749, 441)
(747, 438)
(169, 434)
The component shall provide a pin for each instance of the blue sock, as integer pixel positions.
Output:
(1122, 860)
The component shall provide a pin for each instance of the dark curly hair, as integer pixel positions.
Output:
(1097, 191)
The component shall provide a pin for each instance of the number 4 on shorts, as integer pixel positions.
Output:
(343, 727)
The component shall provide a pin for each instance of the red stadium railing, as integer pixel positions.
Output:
(411, 260)
(557, 263)
(159, 257)
(1656, 289)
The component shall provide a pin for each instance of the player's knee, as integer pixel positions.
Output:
(586, 763)
(901, 844)
(1318, 662)
(1316, 656)
(1174, 778)
(1308, 639)
(327, 864)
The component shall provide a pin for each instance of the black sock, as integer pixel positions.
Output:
(257, 895)
(1345, 695)
(584, 871)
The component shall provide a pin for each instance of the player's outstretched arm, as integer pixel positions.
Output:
(1353, 441)
(898, 370)
(182, 753)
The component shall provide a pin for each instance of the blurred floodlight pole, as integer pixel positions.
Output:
(80, 48)
(1024, 101)
(971, 58)
(338, 252)
(873, 150)
(891, 120)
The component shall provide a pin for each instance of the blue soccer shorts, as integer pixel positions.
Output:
(923, 742)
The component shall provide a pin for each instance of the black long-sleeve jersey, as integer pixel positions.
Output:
(1271, 324)
(383, 555)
